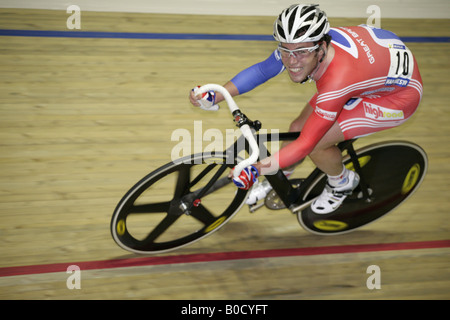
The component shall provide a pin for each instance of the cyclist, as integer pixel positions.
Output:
(367, 80)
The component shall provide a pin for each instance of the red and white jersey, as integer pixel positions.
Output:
(372, 83)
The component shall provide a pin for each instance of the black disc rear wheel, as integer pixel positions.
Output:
(392, 170)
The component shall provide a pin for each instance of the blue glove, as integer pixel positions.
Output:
(246, 178)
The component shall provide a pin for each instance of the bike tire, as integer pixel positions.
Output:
(149, 218)
(393, 171)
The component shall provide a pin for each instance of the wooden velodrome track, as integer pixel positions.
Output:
(83, 119)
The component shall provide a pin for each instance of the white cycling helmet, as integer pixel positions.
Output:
(301, 23)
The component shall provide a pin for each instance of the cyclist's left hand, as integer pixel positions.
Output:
(246, 178)
(206, 101)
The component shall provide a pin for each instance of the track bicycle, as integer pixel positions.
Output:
(192, 197)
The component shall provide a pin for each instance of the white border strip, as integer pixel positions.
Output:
(434, 9)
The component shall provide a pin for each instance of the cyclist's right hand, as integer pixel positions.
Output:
(246, 178)
(205, 101)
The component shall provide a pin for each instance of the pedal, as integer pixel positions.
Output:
(360, 195)
(273, 201)
(253, 207)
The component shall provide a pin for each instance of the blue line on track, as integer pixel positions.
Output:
(168, 36)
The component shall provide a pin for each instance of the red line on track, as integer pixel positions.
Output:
(220, 256)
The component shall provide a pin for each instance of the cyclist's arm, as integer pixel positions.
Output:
(250, 78)
(231, 88)
(316, 126)
(257, 74)
(313, 131)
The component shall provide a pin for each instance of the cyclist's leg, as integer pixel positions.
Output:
(359, 117)
(364, 116)
(341, 181)
(326, 155)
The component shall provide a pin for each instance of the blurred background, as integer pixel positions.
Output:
(83, 118)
